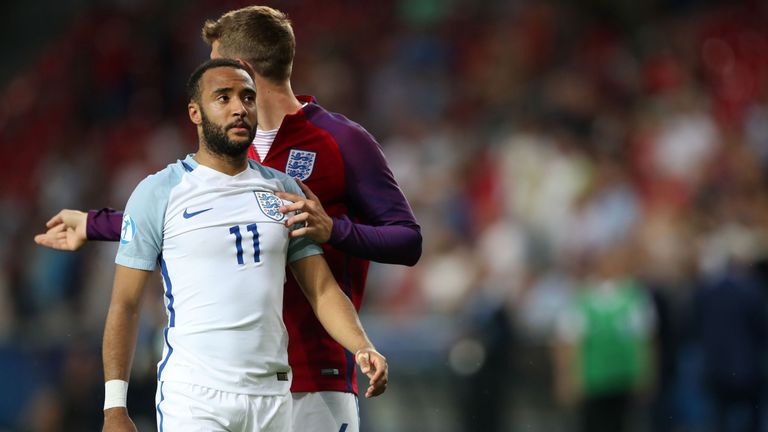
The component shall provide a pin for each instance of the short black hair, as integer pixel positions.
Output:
(193, 85)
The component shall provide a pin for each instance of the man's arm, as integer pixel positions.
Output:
(339, 318)
(69, 230)
(120, 333)
(390, 234)
(104, 224)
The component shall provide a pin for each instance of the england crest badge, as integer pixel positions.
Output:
(270, 204)
(300, 164)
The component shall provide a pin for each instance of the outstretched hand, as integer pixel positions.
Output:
(317, 225)
(374, 365)
(66, 231)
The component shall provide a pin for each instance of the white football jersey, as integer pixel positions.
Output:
(222, 246)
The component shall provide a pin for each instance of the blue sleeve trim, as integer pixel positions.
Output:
(303, 248)
(171, 315)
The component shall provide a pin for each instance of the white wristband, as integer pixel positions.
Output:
(115, 394)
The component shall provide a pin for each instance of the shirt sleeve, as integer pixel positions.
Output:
(299, 247)
(104, 224)
(390, 234)
(141, 232)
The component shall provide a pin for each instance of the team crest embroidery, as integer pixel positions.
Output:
(300, 164)
(270, 205)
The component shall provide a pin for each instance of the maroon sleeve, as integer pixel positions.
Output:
(104, 224)
(390, 234)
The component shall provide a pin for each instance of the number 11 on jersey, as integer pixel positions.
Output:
(235, 230)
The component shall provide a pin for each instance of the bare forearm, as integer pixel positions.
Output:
(119, 341)
(339, 318)
(332, 308)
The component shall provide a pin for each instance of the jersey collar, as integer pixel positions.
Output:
(306, 99)
(297, 117)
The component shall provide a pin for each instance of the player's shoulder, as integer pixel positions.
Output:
(339, 126)
(269, 173)
(164, 180)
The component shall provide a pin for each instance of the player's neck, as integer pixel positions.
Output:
(273, 102)
(229, 165)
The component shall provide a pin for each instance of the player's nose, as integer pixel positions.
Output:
(240, 108)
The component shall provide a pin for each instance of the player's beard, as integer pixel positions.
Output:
(218, 142)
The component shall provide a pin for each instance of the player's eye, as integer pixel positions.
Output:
(223, 98)
(250, 99)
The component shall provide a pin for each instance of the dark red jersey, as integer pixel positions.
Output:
(345, 168)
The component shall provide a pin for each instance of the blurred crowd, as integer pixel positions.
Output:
(590, 178)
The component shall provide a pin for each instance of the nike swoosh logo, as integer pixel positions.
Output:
(188, 215)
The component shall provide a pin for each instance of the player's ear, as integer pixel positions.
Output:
(194, 112)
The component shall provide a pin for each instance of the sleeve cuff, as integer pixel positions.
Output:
(89, 235)
(135, 263)
(340, 230)
(307, 251)
(103, 224)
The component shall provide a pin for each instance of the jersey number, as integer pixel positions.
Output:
(235, 230)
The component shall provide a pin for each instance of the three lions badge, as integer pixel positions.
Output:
(300, 164)
(270, 204)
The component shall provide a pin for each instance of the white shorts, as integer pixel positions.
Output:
(327, 411)
(191, 408)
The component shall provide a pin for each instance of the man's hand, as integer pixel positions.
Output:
(317, 223)
(66, 231)
(374, 365)
(117, 420)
